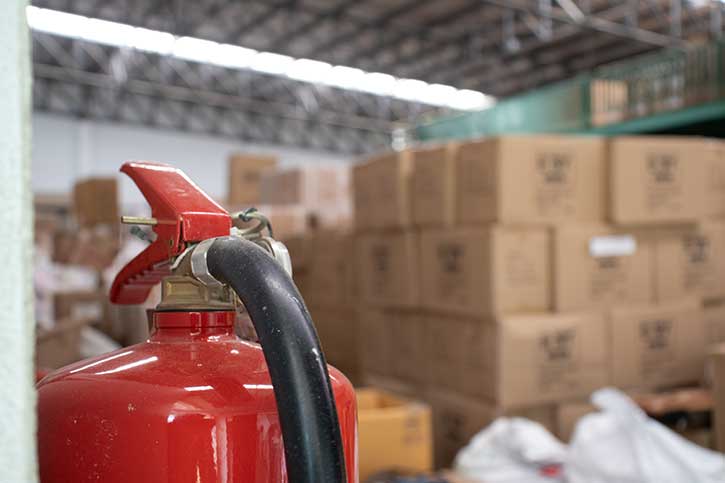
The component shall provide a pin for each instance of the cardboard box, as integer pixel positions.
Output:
(568, 415)
(245, 173)
(531, 179)
(60, 345)
(332, 276)
(323, 189)
(716, 360)
(657, 179)
(383, 191)
(528, 360)
(375, 341)
(409, 361)
(363, 196)
(487, 270)
(715, 180)
(446, 337)
(338, 330)
(690, 262)
(388, 269)
(657, 346)
(596, 266)
(456, 419)
(714, 317)
(95, 202)
(393, 433)
(434, 185)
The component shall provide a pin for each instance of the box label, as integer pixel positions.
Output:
(556, 184)
(381, 259)
(451, 271)
(699, 268)
(557, 359)
(664, 182)
(656, 344)
(612, 246)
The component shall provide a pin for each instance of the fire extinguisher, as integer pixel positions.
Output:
(194, 403)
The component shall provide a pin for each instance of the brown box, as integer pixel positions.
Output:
(60, 345)
(332, 277)
(714, 317)
(657, 179)
(245, 173)
(338, 330)
(409, 361)
(446, 337)
(531, 179)
(382, 191)
(388, 269)
(568, 415)
(715, 180)
(363, 196)
(316, 187)
(376, 344)
(528, 360)
(393, 433)
(95, 202)
(657, 346)
(690, 262)
(717, 365)
(434, 185)
(596, 266)
(456, 419)
(487, 270)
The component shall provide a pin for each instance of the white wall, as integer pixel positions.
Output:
(65, 149)
(17, 394)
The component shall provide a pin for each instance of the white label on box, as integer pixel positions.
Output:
(612, 246)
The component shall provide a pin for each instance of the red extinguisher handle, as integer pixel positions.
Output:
(181, 213)
(305, 399)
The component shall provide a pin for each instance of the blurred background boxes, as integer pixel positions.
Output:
(244, 175)
(480, 278)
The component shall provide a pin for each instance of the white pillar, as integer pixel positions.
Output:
(17, 395)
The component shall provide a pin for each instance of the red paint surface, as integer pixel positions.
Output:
(192, 404)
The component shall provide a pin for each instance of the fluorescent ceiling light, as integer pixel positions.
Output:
(308, 70)
(270, 63)
(236, 57)
(377, 83)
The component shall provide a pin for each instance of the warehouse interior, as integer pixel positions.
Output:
(501, 224)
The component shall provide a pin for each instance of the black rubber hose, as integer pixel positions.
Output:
(305, 400)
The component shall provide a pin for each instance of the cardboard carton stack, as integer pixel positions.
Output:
(294, 198)
(517, 274)
(324, 275)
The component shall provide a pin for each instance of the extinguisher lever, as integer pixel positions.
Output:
(305, 400)
(181, 214)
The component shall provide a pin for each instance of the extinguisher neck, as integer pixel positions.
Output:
(186, 324)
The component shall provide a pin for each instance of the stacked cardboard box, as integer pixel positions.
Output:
(324, 275)
(515, 275)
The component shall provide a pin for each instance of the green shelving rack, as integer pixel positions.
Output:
(672, 91)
